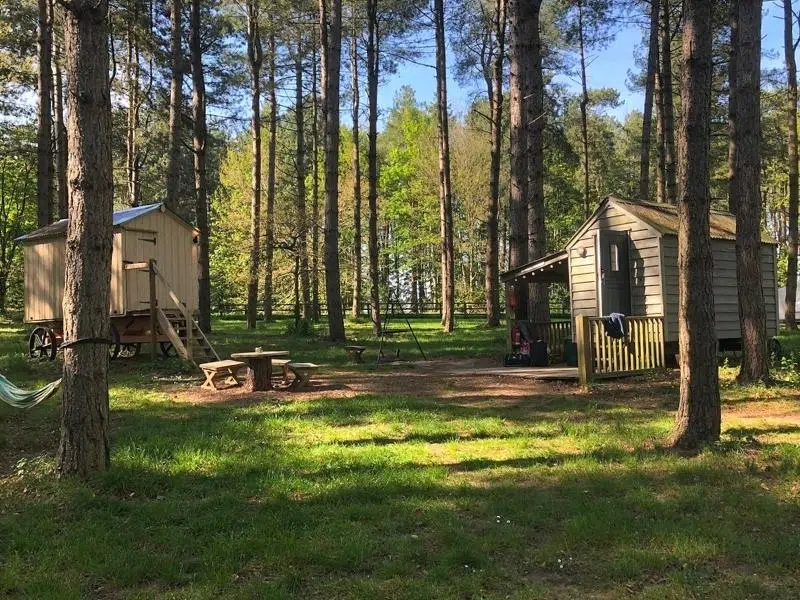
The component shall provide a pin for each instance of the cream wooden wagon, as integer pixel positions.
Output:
(154, 286)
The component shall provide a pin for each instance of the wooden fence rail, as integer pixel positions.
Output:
(600, 356)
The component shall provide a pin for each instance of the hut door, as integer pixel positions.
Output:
(140, 246)
(615, 287)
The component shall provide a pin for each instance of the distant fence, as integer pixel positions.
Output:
(599, 355)
(419, 309)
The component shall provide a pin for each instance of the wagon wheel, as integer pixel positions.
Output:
(115, 346)
(42, 344)
(130, 350)
(167, 349)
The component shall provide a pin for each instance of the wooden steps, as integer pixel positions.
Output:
(186, 337)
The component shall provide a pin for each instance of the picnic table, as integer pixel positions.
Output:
(259, 368)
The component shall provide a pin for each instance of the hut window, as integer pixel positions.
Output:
(613, 251)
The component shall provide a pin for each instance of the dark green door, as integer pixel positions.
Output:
(615, 284)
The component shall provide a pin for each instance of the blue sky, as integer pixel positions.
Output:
(609, 68)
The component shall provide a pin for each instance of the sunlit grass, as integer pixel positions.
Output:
(559, 494)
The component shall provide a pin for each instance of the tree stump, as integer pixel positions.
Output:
(259, 373)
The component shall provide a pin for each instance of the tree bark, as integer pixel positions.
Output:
(520, 75)
(315, 308)
(300, 160)
(698, 420)
(745, 191)
(199, 142)
(331, 45)
(667, 107)
(373, 65)
(44, 154)
(647, 113)
(356, 309)
(175, 105)
(445, 185)
(495, 93)
(61, 135)
(661, 165)
(269, 227)
(132, 72)
(733, 139)
(255, 57)
(794, 196)
(84, 448)
(584, 106)
(534, 110)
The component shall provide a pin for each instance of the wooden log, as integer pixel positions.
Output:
(259, 375)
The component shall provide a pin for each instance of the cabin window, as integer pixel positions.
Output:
(613, 257)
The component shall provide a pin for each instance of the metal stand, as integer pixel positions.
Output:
(386, 331)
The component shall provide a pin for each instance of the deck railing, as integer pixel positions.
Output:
(599, 355)
(555, 333)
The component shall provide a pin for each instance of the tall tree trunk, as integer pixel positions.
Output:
(44, 155)
(584, 105)
(661, 164)
(495, 92)
(199, 142)
(255, 57)
(269, 227)
(300, 160)
(445, 186)
(647, 113)
(356, 311)
(733, 138)
(84, 447)
(698, 419)
(520, 21)
(175, 105)
(535, 117)
(331, 45)
(315, 308)
(745, 191)
(794, 196)
(132, 72)
(61, 135)
(667, 104)
(373, 64)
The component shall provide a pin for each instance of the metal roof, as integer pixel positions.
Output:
(120, 217)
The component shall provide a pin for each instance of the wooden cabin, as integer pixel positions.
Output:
(624, 258)
(140, 234)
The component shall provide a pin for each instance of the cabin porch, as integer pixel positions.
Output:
(566, 346)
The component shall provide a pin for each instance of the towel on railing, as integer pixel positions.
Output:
(615, 326)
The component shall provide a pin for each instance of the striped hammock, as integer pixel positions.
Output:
(18, 398)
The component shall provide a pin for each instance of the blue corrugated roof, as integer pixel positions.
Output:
(120, 217)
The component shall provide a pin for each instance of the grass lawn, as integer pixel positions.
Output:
(397, 485)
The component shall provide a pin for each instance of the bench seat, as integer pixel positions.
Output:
(221, 369)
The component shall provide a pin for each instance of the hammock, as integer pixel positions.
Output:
(14, 396)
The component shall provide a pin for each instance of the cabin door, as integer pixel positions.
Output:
(615, 287)
(140, 246)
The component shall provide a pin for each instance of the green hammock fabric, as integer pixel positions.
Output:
(14, 396)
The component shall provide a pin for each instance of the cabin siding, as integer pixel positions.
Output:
(174, 252)
(726, 295)
(644, 258)
(44, 279)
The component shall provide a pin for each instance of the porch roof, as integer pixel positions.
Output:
(553, 268)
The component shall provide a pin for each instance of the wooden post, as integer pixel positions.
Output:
(584, 343)
(151, 272)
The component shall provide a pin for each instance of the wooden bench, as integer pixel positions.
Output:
(355, 353)
(221, 369)
(284, 371)
(302, 374)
